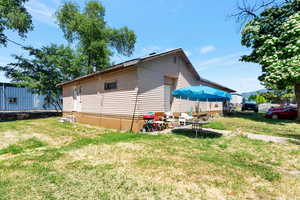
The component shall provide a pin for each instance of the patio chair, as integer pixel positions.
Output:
(171, 120)
(159, 119)
(184, 117)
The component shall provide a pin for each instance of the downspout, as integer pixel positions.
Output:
(136, 98)
(134, 111)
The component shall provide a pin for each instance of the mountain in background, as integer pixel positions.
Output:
(247, 94)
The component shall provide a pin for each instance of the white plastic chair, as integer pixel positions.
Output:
(184, 117)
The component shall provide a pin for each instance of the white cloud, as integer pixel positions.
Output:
(229, 71)
(247, 84)
(220, 61)
(207, 49)
(41, 12)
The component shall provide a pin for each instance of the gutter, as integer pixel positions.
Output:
(105, 70)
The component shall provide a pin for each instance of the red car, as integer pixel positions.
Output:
(286, 112)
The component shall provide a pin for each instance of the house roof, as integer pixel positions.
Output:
(134, 62)
(217, 85)
(7, 84)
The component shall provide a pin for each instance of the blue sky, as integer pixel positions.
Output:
(203, 29)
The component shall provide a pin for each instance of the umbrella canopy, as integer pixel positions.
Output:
(202, 93)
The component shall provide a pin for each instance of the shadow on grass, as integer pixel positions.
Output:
(192, 133)
(259, 117)
(295, 142)
(294, 136)
(27, 115)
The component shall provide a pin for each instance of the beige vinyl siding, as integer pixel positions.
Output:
(143, 85)
(90, 100)
(151, 83)
(151, 80)
(68, 98)
(94, 99)
(186, 78)
(122, 99)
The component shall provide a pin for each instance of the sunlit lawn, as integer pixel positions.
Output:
(256, 123)
(45, 159)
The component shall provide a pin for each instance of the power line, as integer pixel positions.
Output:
(14, 42)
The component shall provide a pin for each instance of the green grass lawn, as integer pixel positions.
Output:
(45, 159)
(256, 123)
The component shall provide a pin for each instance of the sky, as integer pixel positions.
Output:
(204, 29)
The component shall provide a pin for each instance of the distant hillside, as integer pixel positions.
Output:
(247, 94)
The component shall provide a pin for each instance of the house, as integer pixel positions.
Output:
(116, 97)
(13, 98)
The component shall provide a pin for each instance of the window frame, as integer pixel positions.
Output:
(12, 100)
(110, 85)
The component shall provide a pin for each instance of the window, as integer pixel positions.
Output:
(110, 85)
(12, 100)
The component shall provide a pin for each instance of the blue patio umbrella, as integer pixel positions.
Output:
(202, 93)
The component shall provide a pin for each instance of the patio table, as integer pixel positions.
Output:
(197, 125)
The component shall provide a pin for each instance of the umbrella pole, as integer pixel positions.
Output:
(207, 106)
(180, 104)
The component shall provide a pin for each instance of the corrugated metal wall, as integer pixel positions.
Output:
(25, 100)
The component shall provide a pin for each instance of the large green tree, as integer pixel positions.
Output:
(278, 96)
(274, 37)
(14, 17)
(88, 29)
(42, 69)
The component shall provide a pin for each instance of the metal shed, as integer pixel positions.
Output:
(14, 98)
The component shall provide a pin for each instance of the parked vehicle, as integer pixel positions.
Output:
(250, 106)
(285, 112)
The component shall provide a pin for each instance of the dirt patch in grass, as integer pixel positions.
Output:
(11, 137)
(93, 155)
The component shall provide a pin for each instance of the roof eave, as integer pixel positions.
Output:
(110, 69)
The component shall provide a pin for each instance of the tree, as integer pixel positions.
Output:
(260, 99)
(93, 36)
(278, 96)
(247, 10)
(44, 68)
(257, 98)
(274, 37)
(14, 17)
(252, 97)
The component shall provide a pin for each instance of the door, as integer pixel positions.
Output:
(76, 99)
(167, 98)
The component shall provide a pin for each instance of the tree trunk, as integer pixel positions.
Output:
(297, 93)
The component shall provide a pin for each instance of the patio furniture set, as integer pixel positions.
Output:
(161, 121)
